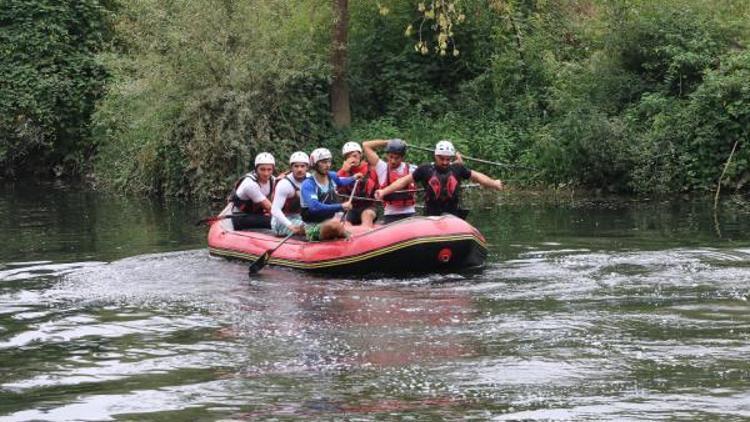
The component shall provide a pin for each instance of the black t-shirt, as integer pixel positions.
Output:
(423, 174)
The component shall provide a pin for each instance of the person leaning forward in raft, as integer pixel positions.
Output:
(319, 201)
(398, 205)
(442, 182)
(252, 195)
(286, 208)
(363, 211)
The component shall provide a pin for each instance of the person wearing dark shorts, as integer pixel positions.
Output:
(252, 195)
(364, 208)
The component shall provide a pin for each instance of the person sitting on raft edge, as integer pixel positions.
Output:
(286, 208)
(441, 181)
(319, 200)
(252, 193)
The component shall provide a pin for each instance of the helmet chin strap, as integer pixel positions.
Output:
(316, 169)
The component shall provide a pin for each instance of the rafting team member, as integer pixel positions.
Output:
(319, 200)
(442, 182)
(363, 212)
(252, 195)
(398, 205)
(286, 208)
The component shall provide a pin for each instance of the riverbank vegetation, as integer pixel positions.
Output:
(620, 95)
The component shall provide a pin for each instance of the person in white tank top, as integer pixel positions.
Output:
(285, 209)
(400, 205)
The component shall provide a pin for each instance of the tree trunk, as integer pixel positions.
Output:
(342, 115)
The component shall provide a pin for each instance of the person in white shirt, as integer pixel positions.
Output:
(398, 205)
(285, 209)
(252, 195)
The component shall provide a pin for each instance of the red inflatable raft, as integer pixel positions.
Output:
(412, 245)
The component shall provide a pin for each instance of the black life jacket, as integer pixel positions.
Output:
(247, 205)
(323, 197)
(292, 205)
(442, 188)
(399, 199)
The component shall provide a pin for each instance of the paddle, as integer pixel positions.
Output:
(354, 189)
(213, 218)
(263, 259)
(362, 198)
(478, 160)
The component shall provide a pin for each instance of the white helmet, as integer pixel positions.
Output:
(445, 148)
(299, 157)
(319, 154)
(264, 158)
(350, 147)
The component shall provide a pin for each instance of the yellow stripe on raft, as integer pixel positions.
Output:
(349, 260)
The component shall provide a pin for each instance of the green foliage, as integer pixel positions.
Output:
(624, 95)
(605, 94)
(626, 117)
(690, 140)
(390, 79)
(50, 82)
(670, 44)
(196, 99)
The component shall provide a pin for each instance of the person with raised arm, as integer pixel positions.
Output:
(397, 205)
(442, 182)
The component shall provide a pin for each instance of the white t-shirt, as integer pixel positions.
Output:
(284, 191)
(250, 189)
(382, 170)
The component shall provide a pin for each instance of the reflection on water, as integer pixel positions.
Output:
(624, 311)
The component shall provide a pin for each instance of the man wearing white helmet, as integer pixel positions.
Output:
(252, 195)
(285, 209)
(363, 212)
(319, 200)
(442, 181)
(397, 205)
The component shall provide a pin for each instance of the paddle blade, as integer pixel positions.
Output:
(204, 221)
(259, 264)
(211, 220)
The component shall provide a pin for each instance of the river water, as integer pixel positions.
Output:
(112, 309)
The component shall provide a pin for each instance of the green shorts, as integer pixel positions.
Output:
(280, 229)
(312, 231)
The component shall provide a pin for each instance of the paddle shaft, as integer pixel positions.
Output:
(289, 236)
(478, 160)
(354, 189)
(213, 218)
(362, 198)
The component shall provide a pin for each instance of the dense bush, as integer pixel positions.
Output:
(633, 115)
(195, 100)
(50, 81)
(686, 142)
(623, 95)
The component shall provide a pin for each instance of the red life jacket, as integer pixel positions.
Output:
(399, 199)
(292, 205)
(247, 205)
(442, 187)
(365, 188)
